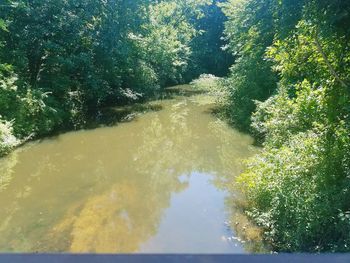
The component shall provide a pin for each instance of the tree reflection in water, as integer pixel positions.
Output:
(106, 190)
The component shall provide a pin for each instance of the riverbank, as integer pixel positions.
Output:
(152, 184)
(106, 116)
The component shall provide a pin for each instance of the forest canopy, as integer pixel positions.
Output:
(63, 60)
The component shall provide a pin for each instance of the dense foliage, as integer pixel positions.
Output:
(63, 60)
(249, 30)
(298, 186)
(208, 54)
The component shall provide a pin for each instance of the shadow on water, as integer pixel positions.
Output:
(115, 189)
(182, 90)
(111, 116)
(114, 115)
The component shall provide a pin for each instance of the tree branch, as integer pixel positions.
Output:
(329, 65)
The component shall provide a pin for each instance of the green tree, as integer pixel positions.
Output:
(70, 58)
(249, 31)
(297, 187)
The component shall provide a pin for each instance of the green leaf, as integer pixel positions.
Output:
(3, 25)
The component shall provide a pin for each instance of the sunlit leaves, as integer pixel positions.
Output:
(249, 31)
(296, 186)
(70, 58)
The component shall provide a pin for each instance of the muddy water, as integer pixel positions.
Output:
(151, 185)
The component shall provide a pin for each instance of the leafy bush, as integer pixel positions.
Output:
(249, 31)
(25, 108)
(34, 117)
(298, 186)
(7, 140)
(300, 192)
(282, 115)
(207, 82)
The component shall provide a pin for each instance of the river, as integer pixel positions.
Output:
(154, 184)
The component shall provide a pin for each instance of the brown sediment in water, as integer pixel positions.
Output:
(152, 184)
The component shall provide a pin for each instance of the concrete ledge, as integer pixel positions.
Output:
(87, 258)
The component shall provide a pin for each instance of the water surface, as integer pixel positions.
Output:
(151, 185)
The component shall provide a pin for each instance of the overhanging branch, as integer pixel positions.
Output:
(329, 65)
